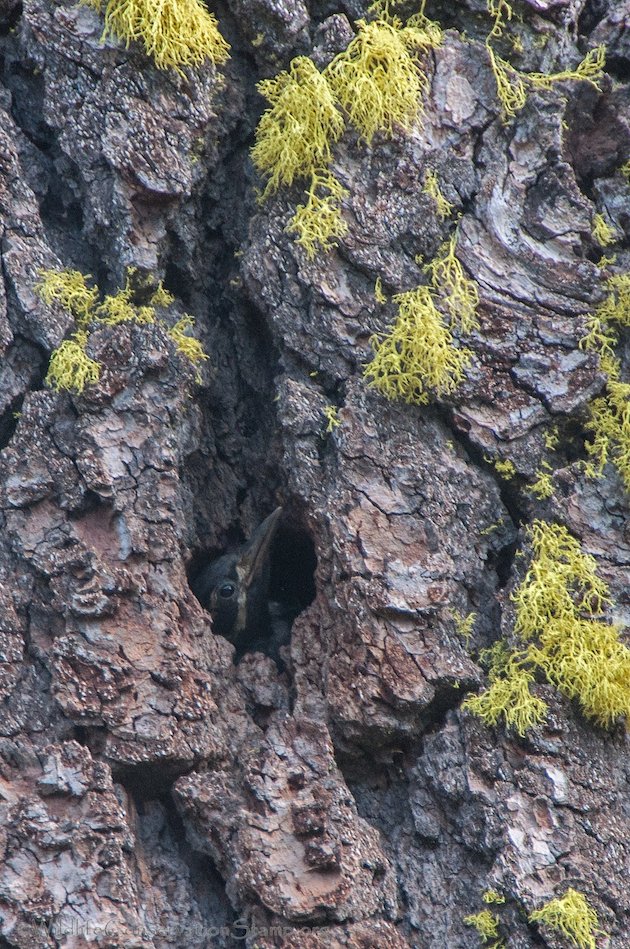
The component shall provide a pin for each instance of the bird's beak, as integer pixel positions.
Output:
(256, 555)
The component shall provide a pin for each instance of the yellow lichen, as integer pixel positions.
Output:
(332, 418)
(558, 606)
(589, 70)
(561, 582)
(161, 297)
(505, 468)
(70, 290)
(463, 624)
(319, 223)
(431, 29)
(491, 896)
(512, 85)
(613, 312)
(509, 696)
(607, 261)
(417, 359)
(573, 917)
(431, 187)
(501, 12)
(625, 170)
(511, 89)
(609, 424)
(609, 415)
(541, 41)
(174, 33)
(379, 295)
(562, 635)
(543, 486)
(551, 438)
(70, 367)
(603, 233)
(117, 308)
(187, 345)
(487, 926)
(459, 294)
(294, 136)
(382, 10)
(602, 337)
(145, 314)
(378, 80)
(586, 661)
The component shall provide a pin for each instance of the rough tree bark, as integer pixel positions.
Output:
(153, 793)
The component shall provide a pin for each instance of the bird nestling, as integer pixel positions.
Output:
(234, 589)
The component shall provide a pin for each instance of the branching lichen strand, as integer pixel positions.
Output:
(70, 367)
(318, 222)
(512, 85)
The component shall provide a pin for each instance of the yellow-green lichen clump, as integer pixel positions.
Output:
(417, 359)
(175, 33)
(375, 85)
(608, 421)
(561, 634)
(294, 137)
(431, 187)
(543, 486)
(486, 925)
(572, 917)
(509, 697)
(318, 222)
(70, 368)
(377, 79)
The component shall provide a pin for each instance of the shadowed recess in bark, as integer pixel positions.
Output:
(27, 90)
(8, 422)
(149, 781)
(164, 850)
(592, 13)
(9, 16)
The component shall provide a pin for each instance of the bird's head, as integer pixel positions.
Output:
(235, 588)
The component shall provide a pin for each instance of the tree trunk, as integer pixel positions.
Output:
(155, 793)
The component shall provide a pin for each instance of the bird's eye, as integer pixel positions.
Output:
(226, 590)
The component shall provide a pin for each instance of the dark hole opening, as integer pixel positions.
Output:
(9, 421)
(593, 12)
(503, 560)
(148, 780)
(293, 563)
(11, 13)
